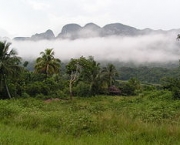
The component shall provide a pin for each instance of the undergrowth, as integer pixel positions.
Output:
(150, 118)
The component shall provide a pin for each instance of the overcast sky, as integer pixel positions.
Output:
(27, 17)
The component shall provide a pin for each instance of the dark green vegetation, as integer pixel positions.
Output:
(9, 67)
(81, 77)
(85, 77)
(85, 102)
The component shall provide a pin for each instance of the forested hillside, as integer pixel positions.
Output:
(49, 77)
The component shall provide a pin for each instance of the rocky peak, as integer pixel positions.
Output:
(69, 28)
(70, 31)
(119, 29)
(48, 35)
(91, 26)
(75, 31)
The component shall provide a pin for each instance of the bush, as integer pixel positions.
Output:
(25, 95)
(59, 94)
(148, 87)
(173, 85)
(7, 110)
(82, 90)
(131, 87)
(127, 89)
(37, 88)
(176, 93)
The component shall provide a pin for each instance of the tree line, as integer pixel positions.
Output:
(82, 77)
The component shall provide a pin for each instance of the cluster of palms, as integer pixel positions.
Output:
(88, 71)
(85, 70)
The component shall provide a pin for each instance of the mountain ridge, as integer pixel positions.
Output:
(74, 31)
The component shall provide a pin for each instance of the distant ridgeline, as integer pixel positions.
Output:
(90, 30)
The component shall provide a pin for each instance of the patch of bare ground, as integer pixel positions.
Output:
(51, 100)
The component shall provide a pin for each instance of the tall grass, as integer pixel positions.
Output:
(150, 118)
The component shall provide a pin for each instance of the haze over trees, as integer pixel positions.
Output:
(86, 76)
(79, 77)
(82, 100)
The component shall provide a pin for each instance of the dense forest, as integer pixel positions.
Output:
(48, 77)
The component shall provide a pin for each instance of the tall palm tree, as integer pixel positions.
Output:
(9, 65)
(110, 73)
(47, 64)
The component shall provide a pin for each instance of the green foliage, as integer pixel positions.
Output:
(127, 89)
(82, 90)
(151, 118)
(44, 115)
(109, 74)
(36, 88)
(157, 107)
(131, 87)
(25, 95)
(172, 84)
(60, 94)
(176, 92)
(147, 74)
(148, 87)
(88, 72)
(47, 64)
(72, 66)
(8, 111)
(9, 67)
(46, 87)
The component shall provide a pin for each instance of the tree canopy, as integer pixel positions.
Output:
(47, 64)
(9, 66)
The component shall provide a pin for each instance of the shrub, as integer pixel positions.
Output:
(131, 87)
(176, 92)
(37, 88)
(127, 89)
(7, 110)
(59, 94)
(173, 85)
(82, 90)
(25, 95)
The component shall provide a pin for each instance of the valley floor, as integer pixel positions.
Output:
(151, 118)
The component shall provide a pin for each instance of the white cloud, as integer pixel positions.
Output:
(38, 5)
(149, 48)
(94, 6)
(4, 33)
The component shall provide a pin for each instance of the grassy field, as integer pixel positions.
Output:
(152, 118)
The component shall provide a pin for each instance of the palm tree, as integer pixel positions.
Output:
(91, 73)
(110, 73)
(9, 65)
(94, 77)
(47, 64)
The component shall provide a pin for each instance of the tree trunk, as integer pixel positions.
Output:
(70, 89)
(7, 89)
(73, 78)
(1, 84)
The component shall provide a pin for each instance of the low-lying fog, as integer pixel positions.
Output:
(141, 49)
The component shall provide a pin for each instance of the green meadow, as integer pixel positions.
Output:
(151, 118)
